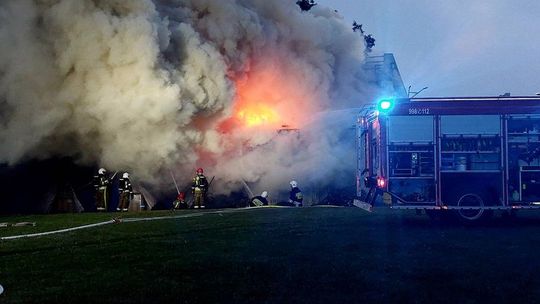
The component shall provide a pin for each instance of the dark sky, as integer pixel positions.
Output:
(455, 47)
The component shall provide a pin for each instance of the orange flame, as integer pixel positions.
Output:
(271, 94)
(257, 114)
(258, 101)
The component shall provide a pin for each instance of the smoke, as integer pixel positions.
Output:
(148, 86)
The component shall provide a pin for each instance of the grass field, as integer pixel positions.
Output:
(309, 255)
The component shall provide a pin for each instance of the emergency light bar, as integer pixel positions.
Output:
(384, 105)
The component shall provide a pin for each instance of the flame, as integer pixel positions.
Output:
(259, 100)
(271, 94)
(257, 114)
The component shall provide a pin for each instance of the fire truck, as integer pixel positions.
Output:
(468, 156)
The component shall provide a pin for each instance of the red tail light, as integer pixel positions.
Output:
(381, 182)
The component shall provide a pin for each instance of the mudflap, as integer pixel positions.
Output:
(387, 199)
(368, 204)
(363, 205)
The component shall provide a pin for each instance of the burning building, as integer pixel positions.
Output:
(152, 86)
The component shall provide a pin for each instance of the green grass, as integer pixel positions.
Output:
(309, 255)
(61, 221)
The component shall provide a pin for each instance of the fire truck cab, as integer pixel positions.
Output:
(470, 155)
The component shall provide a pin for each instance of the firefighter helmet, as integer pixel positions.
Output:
(264, 194)
(102, 171)
(293, 184)
(200, 171)
(125, 175)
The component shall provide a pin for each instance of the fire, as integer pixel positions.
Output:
(261, 99)
(271, 94)
(257, 114)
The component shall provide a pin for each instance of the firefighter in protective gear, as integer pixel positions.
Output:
(260, 200)
(295, 195)
(101, 186)
(180, 202)
(126, 191)
(199, 188)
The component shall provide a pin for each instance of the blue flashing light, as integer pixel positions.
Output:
(385, 105)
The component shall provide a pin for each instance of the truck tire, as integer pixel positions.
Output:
(471, 215)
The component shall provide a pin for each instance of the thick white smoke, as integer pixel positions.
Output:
(148, 86)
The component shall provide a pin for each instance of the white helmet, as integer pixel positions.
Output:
(264, 194)
(125, 175)
(101, 171)
(293, 184)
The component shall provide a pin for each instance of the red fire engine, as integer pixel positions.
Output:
(473, 156)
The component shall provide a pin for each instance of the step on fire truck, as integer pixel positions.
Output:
(472, 156)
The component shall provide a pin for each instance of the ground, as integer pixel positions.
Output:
(271, 255)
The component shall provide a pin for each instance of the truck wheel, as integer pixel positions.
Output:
(471, 200)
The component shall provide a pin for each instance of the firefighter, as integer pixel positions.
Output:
(126, 190)
(295, 196)
(180, 202)
(101, 186)
(259, 200)
(370, 182)
(199, 188)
